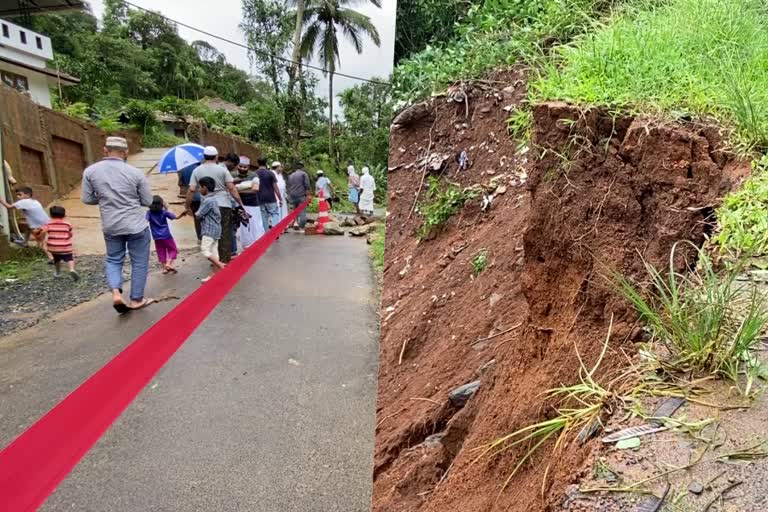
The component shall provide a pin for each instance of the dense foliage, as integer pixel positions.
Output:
(137, 54)
(424, 22)
(493, 34)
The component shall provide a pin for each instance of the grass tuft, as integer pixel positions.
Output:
(679, 57)
(480, 262)
(441, 204)
(707, 322)
(583, 407)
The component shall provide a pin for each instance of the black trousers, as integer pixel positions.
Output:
(225, 243)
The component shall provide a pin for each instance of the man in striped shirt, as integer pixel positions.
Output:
(59, 241)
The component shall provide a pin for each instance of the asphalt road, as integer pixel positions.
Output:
(269, 406)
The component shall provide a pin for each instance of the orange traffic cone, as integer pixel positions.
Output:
(322, 212)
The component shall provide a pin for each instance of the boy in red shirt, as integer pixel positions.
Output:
(59, 241)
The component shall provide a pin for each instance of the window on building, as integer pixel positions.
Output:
(6, 31)
(39, 41)
(18, 82)
(23, 37)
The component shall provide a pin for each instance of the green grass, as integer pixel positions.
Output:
(157, 137)
(495, 33)
(678, 58)
(708, 323)
(377, 249)
(24, 264)
(480, 262)
(742, 217)
(441, 203)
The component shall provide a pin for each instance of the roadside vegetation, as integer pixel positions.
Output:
(377, 249)
(487, 35)
(706, 323)
(25, 264)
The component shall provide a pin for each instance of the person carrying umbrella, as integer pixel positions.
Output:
(223, 191)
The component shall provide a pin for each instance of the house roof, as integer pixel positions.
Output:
(11, 8)
(58, 75)
(220, 104)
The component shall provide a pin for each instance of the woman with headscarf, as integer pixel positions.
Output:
(354, 186)
(277, 168)
(367, 188)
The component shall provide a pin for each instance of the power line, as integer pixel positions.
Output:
(241, 45)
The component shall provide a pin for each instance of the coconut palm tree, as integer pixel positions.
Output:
(323, 20)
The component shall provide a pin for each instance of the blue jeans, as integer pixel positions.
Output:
(269, 211)
(138, 250)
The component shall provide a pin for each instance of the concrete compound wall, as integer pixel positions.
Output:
(48, 150)
(223, 142)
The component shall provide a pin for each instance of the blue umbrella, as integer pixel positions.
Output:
(180, 157)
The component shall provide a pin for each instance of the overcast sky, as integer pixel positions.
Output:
(222, 18)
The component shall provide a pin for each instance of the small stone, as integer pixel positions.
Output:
(495, 298)
(696, 488)
(461, 395)
(485, 368)
(501, 190)
(333, 229)
(362, 230)
(434, 440)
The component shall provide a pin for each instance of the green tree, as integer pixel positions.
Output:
(364, 134)
(323, 20)
(423, 22)
(268, 32)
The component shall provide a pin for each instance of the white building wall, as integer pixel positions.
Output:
(38, 83)
(35, 48)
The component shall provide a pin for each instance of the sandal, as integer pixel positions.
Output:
(144, 303)
(121, 307)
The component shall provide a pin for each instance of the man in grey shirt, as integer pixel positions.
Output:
(122, 193)
(224, 192)
(298, 188)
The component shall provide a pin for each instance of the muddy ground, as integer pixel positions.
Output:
(591, 192)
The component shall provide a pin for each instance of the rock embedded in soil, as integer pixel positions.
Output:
(461, 395)
(485, 368)
(433, 441)
(696, 488)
